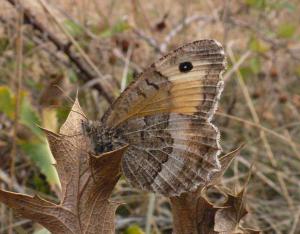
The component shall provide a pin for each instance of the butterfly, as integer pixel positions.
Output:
(164, 117)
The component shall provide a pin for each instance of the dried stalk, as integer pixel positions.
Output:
(64, 47)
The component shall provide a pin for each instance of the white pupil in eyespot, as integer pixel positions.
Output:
(185, 66)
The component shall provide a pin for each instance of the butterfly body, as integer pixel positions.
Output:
(164, 117)
(102, 138)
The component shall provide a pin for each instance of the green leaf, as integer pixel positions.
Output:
(119, 27)
(280, 5)
(33, 84)
(286, 30)
(134, 229)
(40, 154)
(258, 45)
(62, 113)
(130, 78)
(72, 76)
(6, 101)
(246, 71)
(37, 148)
(289, 6)
(29, 117)
(29, 46)
(297, 70)
(73, 28)
(259, 4)
(4, 42)
(255, 65)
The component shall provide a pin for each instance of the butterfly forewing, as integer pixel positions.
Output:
(165, 117)
(163, 88)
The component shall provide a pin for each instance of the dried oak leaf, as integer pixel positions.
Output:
(227, 218)
(225, 162)
(86, 182)
(194, 214)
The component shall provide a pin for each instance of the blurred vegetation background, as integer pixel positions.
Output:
(51, 49)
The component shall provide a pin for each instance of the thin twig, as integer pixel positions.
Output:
(8, 180)
(149, 218)
(64, 47)
(125, 71)
(260, 127)
(150, 40)
(260, 175)
(103, 82)
(19, 74)
(237, 65)
(118, 53)
(262, 133)
(182, 25)
(295, 222)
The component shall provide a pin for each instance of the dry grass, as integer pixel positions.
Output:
(260, 104)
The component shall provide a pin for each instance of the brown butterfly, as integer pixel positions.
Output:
(164, 117)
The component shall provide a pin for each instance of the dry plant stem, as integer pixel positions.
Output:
(237, 65)
(296, 221)
(64, 47)
(105, 84)
(2, 212)
(125, 71)
(181, 26)
(19, 74)
(131, 64)
(6, 179)
(260, 127)
(293, 146)
(226, 27)
(150, 40)
(185, 210)
(19, 61)
(260, 175)
(39, 43)
(262, 133)
(140, 16)
(150, 211)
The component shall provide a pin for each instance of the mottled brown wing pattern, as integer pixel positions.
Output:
(163, 88)
(165, 117)
(169, 153)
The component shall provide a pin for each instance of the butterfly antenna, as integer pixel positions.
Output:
(80, 113)
(70, 99)
(64, 93)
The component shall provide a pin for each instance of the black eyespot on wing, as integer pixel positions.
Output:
(185, 66)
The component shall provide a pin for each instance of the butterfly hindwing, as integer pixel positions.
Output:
(164, 116)
(169, 153)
